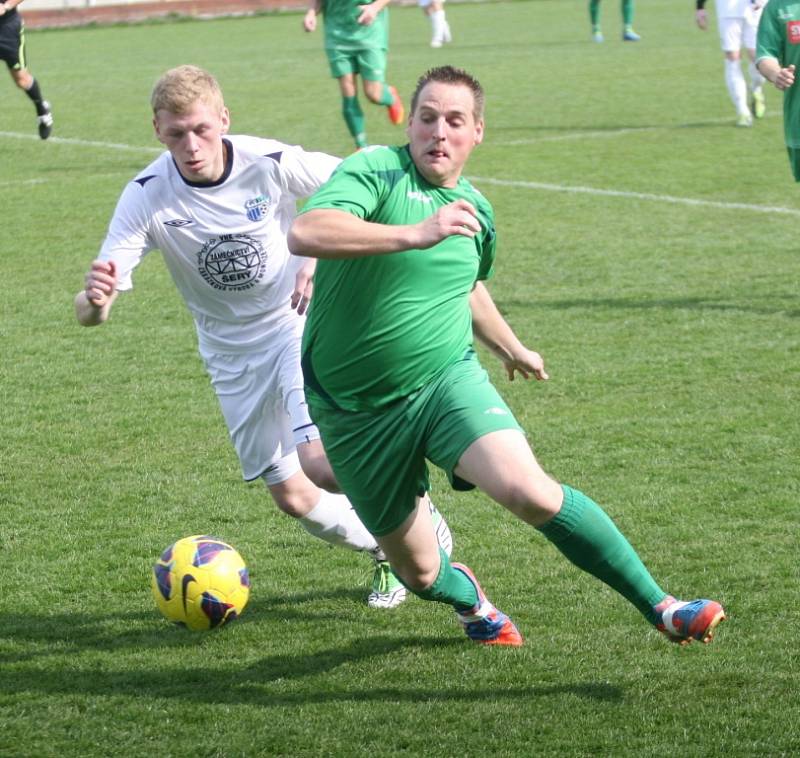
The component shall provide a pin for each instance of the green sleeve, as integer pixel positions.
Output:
(770, 35)
(349, 189)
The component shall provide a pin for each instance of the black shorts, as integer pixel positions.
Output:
(12, 42)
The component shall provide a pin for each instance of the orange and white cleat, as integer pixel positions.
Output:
(485, 624)
(682, 622)
(397, 112)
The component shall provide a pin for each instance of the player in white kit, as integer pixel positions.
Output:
(218, 207)
(440, 28)
(738, 23)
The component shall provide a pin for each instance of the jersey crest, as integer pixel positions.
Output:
(257, 208)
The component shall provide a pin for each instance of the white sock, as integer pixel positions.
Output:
(334, 520)
(756, 80)
(737, 87)
(437, 22)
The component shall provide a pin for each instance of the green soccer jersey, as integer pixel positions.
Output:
(343, 32)
(779, 37)
(380, 327)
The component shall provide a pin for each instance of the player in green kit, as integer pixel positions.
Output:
(356, 43)
(626, 7)
(392, 380)
(777, 58)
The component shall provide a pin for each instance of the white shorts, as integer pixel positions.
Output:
(257, 392)
(740, 32)
(426, 3)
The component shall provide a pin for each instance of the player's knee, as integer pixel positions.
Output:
(296, 498)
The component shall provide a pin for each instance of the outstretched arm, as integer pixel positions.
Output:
(489, 326)
(329, 233)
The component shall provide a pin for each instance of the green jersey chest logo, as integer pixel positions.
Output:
(418, 196)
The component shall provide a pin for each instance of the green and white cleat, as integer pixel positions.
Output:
(387, 591)
(758, 104)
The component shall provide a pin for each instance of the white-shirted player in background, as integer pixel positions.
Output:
(440, 28)
(738, 23)
(218, 207)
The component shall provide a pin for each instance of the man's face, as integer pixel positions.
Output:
(442, 132)
(194, 139)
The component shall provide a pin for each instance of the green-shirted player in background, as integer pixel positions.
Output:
(777, 58)
(628, 35)
(392, 379)
(356, 43)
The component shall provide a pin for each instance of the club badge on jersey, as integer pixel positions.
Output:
(256, 208)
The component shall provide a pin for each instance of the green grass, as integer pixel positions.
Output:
(671, 332)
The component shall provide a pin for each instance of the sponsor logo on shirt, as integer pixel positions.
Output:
(495, 411)
(256, 208)
(178, 222)
(417, 195)
(793, 32)
(232, 262)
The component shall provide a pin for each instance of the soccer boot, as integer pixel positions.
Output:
(483, 623)
(744, 119)
(758, 105)
(683, 622)
(436, 42)
(45, 121)
(396, 110)
(630, 36)
(597, 36)
(387, 591)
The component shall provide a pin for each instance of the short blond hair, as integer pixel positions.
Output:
(178, 89)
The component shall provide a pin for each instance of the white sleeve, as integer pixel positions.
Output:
(128, 239)
(303, 173)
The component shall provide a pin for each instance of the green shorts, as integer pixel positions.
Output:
(370, 63)
(379, 459)
(794, 161)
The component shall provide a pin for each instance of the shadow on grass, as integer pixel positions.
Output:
(279, 679)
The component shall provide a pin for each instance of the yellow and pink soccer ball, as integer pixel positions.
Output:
(200, 582)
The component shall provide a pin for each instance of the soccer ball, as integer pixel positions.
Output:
(200, 582)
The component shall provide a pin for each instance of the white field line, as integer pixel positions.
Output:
(84, 143)
(541, 186)
(607, 133)
(544, 187)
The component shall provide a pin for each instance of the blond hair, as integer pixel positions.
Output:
(178, 89)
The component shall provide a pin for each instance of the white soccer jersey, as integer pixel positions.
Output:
(224, 244)
(738, 8)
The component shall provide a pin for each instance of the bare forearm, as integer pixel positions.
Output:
(336, 234)
(89, 314)
(769, 68)
(489, 326)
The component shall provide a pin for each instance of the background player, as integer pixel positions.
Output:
(218, 208)
(392, 379)
(357, 43)
(440, 28)
(12, 51)
(626, 8)
(737, 21)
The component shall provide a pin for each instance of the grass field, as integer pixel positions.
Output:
(648, 249)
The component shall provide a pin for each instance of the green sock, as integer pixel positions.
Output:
(451, 587)
(354, 118)
(627, 14)
(387, 98)
(594, 14)
(583, 532)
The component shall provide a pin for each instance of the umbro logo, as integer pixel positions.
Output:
(179, 222)
(417, 195)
